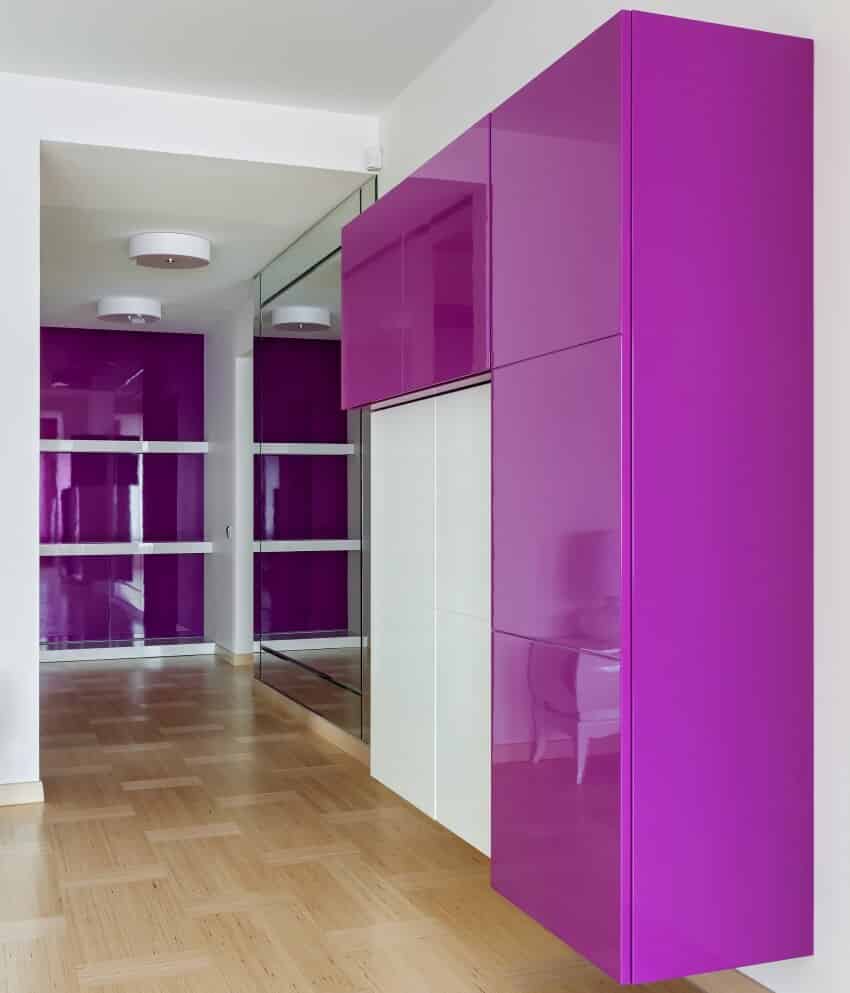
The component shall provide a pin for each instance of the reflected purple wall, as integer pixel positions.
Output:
(121, 385)
(299, 497)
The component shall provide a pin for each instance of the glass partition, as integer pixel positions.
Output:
(309, 455)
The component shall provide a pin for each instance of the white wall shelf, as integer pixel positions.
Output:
(125, 652)
(299, 448)
(128, 548)
(317, 545)
(126, 447)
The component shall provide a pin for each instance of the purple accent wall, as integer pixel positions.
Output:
(304, 592)
(122, 384)
(89, 497)
(91, 598)
(173, 497)
(297, 497)
(118, 385)
(296, 391)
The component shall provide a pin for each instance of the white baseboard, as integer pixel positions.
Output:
(236, 659)
(12, 794)
(306, 644)
(127, 652)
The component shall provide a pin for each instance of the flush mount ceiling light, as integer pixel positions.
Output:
(300, 318)
(136, 310)
(169, 250)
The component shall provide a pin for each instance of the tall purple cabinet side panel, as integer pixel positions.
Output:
(722, 491)
(556, 202)
(556, 755)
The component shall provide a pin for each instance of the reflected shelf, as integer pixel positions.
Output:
(301, 448)
(311, 545)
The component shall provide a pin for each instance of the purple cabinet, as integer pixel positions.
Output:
(652, 498)
(652, 340)
(556, 497)
(558, 197)
(415, 285)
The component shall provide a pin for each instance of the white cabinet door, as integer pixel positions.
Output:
(462, 616)
(402, 601)
(430, 607)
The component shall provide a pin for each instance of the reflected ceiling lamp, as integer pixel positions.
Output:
(169, 250)
(138, 311)
(299, 318)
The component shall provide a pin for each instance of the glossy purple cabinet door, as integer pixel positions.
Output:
(556, 497)
(89, 496)
(557, 202)
(446, 264)
(415, 283)
(556, 781)
(372, 308)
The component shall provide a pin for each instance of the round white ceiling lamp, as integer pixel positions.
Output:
(138, 311)
(169, 250)
(300, 318)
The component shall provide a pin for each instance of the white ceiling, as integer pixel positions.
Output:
(329, 54)
(94, 198)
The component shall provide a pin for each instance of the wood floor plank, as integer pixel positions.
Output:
(194, 841)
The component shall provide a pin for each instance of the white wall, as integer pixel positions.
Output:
(228, 392)
(35, 110)
(509, 44)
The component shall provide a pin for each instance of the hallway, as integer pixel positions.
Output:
(194, 840)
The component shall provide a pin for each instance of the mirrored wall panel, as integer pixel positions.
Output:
(308, 493)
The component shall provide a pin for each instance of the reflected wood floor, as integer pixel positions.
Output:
(195, 842)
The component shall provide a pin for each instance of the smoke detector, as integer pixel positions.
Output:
(138, 311)
(169, 250)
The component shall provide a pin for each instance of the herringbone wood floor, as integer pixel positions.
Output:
(194, 841)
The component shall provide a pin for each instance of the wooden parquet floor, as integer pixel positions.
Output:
(193, 841)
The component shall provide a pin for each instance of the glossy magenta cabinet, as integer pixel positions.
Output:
(652, 498)
(651, 324)
(557, 187)
(415, 283)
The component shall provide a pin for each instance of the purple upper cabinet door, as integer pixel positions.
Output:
(372, 306)
(558, 169)
(446, 263)
(556, 497)
(722, 497)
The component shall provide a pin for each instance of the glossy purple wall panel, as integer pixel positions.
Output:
(556, 497)
(416, 278)
(722, 489)
(299, 497)
(557, 207)
(96, 599)
(556, 771)
(89, 497)
(174, 597)
(296, 391)
(121, 384)
(173, 497)
(300, 592)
